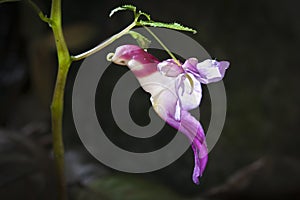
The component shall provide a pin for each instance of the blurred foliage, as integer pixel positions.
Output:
(25, 169)
(125, 188)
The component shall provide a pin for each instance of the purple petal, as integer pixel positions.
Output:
(211, 70)
(200, 157)
(194, 131)
(190, 66)
(170, 68)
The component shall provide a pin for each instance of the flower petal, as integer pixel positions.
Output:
(194, 131)
(189, 95)
(144, 67)
(190, 66)
(169, 68)
(199, 146)
(125, 53)
(201, 158)
(211, 70)
(166, 105)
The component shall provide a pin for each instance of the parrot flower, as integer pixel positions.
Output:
(175, 89)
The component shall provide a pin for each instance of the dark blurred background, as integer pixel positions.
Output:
(257, 156)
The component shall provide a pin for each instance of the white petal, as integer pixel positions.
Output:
(177, 111)
(165, 104)
(189, 96)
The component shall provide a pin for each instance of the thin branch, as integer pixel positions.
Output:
(39, 12)
(7, 1)
(103, 44)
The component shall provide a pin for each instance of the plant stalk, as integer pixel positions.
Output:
(57, 105)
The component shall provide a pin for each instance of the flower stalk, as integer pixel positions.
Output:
(104, 44)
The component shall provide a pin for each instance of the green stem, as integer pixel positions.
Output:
(61, 46)
(58, 146)
(57, 106)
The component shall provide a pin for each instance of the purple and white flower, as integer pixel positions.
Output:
(175, 89)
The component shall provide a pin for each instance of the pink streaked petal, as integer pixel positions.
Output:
(140, 62)
(125, 53)
(211, 70)
(142, 70)
(144, 57)
(169, 68)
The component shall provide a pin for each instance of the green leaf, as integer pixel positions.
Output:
(124, 7)
(142, 41)
(175, 26)
(5, 1)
